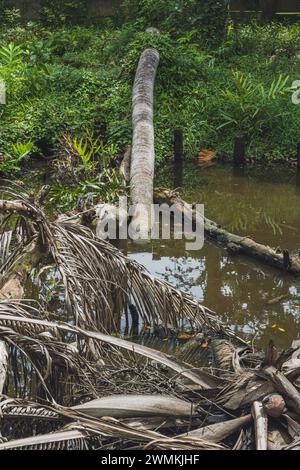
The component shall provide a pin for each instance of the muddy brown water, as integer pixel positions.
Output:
(259, 302)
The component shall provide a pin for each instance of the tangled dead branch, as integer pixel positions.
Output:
(82, 370)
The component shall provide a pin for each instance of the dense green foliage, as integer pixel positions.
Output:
(70, 79)
(204, 19)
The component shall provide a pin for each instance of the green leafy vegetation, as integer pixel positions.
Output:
(213, 81)
(85, 174)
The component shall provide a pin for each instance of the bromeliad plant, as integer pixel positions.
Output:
(11, 161)
(84, 172)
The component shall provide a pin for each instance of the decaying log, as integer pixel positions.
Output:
(15, 207)
(261, 426)
(284, 386)
(142, 155)
(234, 243)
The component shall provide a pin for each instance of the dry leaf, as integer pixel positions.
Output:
(205, 158)
(184, 336)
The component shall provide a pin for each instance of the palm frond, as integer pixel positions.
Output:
(34, 329)
(101, 283)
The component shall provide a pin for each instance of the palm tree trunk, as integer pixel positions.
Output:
(143, 155)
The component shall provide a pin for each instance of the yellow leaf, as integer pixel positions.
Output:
(184, 336)
(274, 326)
(205, 158)
(282, 330)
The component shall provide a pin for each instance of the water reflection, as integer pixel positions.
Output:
(254, 299)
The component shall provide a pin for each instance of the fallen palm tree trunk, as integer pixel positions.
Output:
(142, 155)
(234, 243)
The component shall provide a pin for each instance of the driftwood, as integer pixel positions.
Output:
(142, 155)
(261, 426)
(234, 243)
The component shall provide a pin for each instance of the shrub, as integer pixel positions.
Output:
(206, 18)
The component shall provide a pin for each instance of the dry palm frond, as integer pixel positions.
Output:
(72, 439)
(85, 431)
(127, 406)
(12, 408)
(100, 282)
(5, 241)
(34, 329)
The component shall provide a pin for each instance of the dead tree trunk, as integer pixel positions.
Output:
(142, 156)
(235, 243)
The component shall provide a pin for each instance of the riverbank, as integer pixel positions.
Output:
(73, 79)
